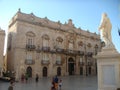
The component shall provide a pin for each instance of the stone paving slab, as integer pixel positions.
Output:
(69, 83)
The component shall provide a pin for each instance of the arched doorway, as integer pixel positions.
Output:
(59, 71)
(81, 70)
(44, 71)
(71, 66)
(29, 71)
(89, 70)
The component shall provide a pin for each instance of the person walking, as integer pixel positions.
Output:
(22, 78)
(11, 86)
(36, 78)
(60, 84)
(53, 84)
(26, 77)
(56, 82)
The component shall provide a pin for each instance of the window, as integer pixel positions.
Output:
(45, 56)
(81, 59)
(70, 42)
(30, 38)
(29, 58)
(70, 45)
(30, 41)
(45, 38)
(58, 58)
(80, 43)
(59, 41)
(45, 43)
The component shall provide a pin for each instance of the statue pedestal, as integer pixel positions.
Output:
(108, 67)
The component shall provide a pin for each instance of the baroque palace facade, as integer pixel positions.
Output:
(2, 40)
(40, 46)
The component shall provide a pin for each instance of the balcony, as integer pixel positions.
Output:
(68, 51)
(45, 62)
(53, 51)
(38, 50)
(81, 63)
(80, 53)
(30, 47)
(58, 62)
(29, 62)
(89, 54)
(46, 49)
(89, 63)
(59, 50)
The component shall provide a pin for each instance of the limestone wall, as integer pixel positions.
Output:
(22, 26)
(2, 40)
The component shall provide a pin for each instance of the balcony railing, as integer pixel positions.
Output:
(59, 50)
(30, 47)
(68, 51)
(89, 63)
(53, 51)
(58, 62)
(29, 61)
(38, 50)
(45, 62)
(89, 53)
(80, 52)
(47, 49)
(81, 63)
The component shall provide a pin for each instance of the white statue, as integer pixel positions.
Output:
(105, 30)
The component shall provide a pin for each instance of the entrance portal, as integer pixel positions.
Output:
(71, 66)
(29, 71)
(81, 70)
(44, 71)
(59, 71)
(89, 70)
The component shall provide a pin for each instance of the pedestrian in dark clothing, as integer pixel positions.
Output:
(53, 84)
(56, 82)
(11, 86)
(22, 78)
(26, 77)
(60, 84)
(36, 78)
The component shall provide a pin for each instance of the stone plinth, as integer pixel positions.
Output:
(108, 66)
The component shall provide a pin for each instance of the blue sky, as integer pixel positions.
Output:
(85, 14)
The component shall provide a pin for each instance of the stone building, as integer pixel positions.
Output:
(40, 46)
(2, 39)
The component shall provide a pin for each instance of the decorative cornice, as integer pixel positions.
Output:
(45, 22)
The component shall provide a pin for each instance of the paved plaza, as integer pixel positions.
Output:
(69, 83)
